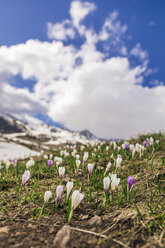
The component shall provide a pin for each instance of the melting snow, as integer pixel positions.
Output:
(11, 151)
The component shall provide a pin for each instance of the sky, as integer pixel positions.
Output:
(96, 65)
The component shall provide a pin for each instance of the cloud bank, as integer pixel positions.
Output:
(83, 87)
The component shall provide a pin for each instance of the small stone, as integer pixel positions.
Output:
(96, 220)
(51, 230)
(31, 226)
(84, 217)
(4, 229)
(62, 237)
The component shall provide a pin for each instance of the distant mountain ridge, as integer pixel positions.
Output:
(40, 133)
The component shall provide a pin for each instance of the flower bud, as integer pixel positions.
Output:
(47, 196)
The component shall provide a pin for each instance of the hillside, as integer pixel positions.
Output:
(37, 136)
(122, 210)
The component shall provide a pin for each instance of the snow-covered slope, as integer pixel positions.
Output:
(11, 150)
(34, 132)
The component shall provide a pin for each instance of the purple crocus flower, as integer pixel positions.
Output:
(126, 146)
(145, 143)
(25, 177)
(148, 142)
(59, 191)
(50, 162)
(130, 181)
(15, 162)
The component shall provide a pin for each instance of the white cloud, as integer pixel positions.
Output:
(123, 51)
(61, 31)
(138, 52)
(18, 101)
(79, 10)
(100, 93)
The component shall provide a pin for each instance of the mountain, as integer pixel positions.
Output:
(36, 134)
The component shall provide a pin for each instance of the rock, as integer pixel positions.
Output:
(51, 230)
(62, 237)
(84, 217)
(4, 229)
(96, 220)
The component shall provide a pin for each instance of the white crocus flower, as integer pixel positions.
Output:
(140, 149)
(69, 187)
(85, 157)
(7, 164)
(47, 196)
(45, 156)
(25, 177)
(77, 156)
(51, 156)
(76, 199)
(30, 163)
(118, 161)
(106, 183)
(118, 148)
(61, 171)
(90, 169)
(131, 147)
(151, 141)
(108, 167)
(114, 181)
(78, 162)
(114, 146)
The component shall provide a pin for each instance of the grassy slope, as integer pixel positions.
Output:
(135, 222)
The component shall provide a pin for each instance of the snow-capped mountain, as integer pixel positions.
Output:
(35, 133)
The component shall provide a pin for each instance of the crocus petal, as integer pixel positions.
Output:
(76, 199)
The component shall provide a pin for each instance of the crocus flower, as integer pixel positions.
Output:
(114, 181)
(148, 141)
(61, 171)
(109, 165)
(50, 162)
(139, 148)
(77, 156)
(76, 199)
(126, 146)
(114, 146)
(51, 156)
(90, 169)
(151, 141)
(45, 156)
(130, 181)
(59, 191)
(106, 183)
(30, 163)
(145, 143)
(118, 161)
(78, 162)
(85, 157)
(7, 164)
(15, 162)
(131, 147)
(69, 187)
(47, 196)
(25, 177)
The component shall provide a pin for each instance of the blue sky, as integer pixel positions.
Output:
(135, 39)
(23, 20)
